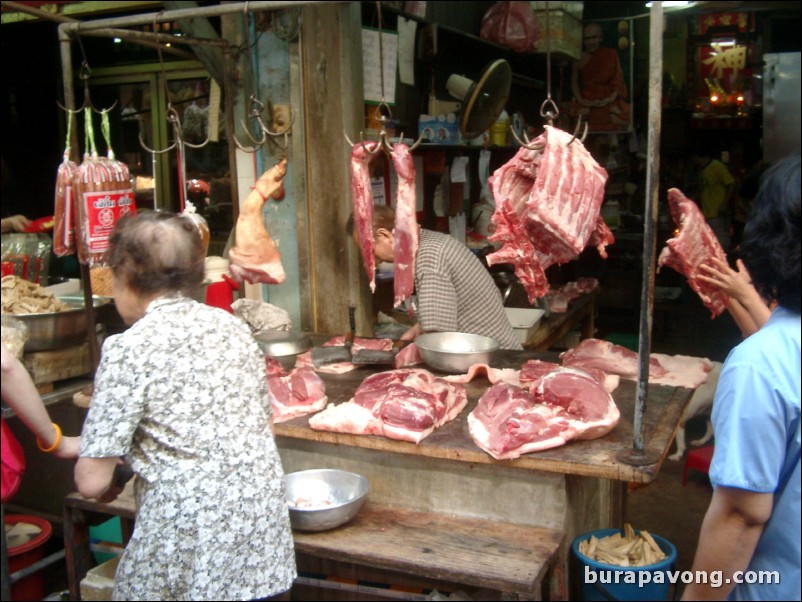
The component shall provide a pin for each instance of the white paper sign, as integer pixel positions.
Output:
(377, 187)
(406, 50)
(371, 75)
(459, 169)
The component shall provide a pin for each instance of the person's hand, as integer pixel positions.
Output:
(68, 448)
(15, 223)
(412, 333)
(736, 284)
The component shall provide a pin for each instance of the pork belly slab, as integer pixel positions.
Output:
(406, 405)
(296, 393)
(671, 370)
(694, 245)
(561, 405)
(547, 208)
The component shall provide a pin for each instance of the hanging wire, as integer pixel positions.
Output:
(383, 108)
(548, 109)
(179, 144)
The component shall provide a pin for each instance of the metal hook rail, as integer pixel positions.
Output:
(383, 108)
(256, 107)
(383, 142)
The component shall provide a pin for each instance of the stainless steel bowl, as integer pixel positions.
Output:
(59, 329)
(324, 498)
(283, 345)
(455, 351)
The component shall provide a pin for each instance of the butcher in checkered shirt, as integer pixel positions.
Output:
(455, 291)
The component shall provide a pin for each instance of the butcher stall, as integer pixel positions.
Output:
(443, 514)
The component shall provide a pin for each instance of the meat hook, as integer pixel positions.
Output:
(255, 112)
(384, 142)
(84, 74)
(526, 143)
(576, 132)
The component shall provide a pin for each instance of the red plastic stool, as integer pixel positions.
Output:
(698, 459)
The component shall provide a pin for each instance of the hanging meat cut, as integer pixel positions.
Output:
(405, 231)
(694, 245)
(256, 257)
(561, 405)
(362, 205)
(547, 208)
(560, 298)
(297, 393)
(406, 405)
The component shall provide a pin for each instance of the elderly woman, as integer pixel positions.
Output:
(182, 396)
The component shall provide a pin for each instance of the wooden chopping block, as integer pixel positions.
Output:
(58, 364)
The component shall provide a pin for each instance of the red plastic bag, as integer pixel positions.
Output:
(511, 24)
(13, 461)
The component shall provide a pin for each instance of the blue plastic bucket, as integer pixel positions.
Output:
(602, 581)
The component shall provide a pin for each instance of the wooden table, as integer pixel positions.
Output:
(580, 315)
(437, 549)
(569, 490)
(595, 458)
(81, 513)
(444, 504)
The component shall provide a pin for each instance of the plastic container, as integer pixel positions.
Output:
(25, 554)
(99, 581)
(609, 582)
(106, 540)
(524, 321)
(630, 341)
(499, 131)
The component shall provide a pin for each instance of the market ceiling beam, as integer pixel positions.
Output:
(200, 27)
(61, 18)
(71, 9)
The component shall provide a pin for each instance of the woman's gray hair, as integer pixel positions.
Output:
(157, 252)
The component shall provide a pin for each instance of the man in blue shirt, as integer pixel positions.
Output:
(751, 532)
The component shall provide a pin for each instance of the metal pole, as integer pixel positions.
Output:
(133, 35)
(638, 455)
(58, 18)
(188, 13)
(69, 103)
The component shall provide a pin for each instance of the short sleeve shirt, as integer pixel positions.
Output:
(182, 395)
(715, 178)
(756, 420)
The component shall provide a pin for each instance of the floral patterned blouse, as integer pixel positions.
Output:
(182, 395)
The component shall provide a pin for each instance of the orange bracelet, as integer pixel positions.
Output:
(55, 445)
(259, 192)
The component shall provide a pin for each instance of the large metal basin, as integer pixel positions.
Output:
(322, 499)
(59, 329)
(284, 346)
(455, 351)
